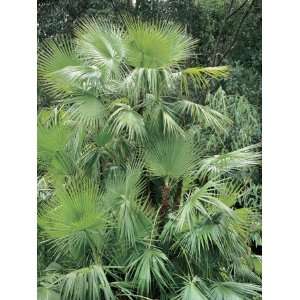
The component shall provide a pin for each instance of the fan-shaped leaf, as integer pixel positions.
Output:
(234, 291)
(203, 115)
(54, 57)
(88, 110)
(128, 120)
(101, 44)
(86, 283)
(170, 156)
(74, 219)
(150, 269)
(193, 288)
(51, 141)
(158, 45)
(44, 293)
(236, 160)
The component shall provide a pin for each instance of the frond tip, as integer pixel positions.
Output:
(235, 160)
(199, 76)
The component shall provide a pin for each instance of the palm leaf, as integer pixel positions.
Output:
(193, 288)
(141, 81)
(234, 291)
(101, 44)
(44, 293)
(82, 77)
(125, 119)
(153, 49)
(88, 110)
(156, 45)
(209, 233)
(123, 189)
(54, 57)
(51, 141)
(149, 269)
(226, 163)
(74, 220)
(170, 156)
(161, 114)
(86, 283)
(199, 76)
(203, 114)
(195, 204)
(230, 193)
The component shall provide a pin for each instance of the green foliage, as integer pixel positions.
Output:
(163, 151)
(86, 283)
(150, 266)
(144, 167)
(73, 221)
(157, 45)
(47, 294)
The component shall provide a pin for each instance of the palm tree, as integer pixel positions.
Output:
(136, 210)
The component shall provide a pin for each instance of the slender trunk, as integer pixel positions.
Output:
(178, 195)
(165, 200)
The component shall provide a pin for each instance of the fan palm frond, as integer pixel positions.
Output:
(128, 120)
(195, 203)
(86, 283)
(62, 166)
(170, 125)
(242, 272)
(101, 44)
(51, 141)
(156, 45)
(55, 56)
(203, 114)
(226, 163)
(159, 113)
(230, 193)
(83, 77)
(141, 81)
(234, 291)
(210, 233)
(88, 110)
(103, 138)
(257, 263)
(170, 157)
(193, 288)
(150, 269)
(74, 220)
(123, 189)
(199, 76)
(44, 293)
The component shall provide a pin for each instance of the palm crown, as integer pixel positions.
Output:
(137, 211)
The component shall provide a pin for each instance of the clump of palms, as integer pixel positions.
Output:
(136, 211)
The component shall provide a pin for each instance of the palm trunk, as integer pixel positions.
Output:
(165, 199)
(178, 195)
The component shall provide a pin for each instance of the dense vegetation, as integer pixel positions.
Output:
(148, 150)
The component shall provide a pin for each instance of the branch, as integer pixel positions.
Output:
(220, 32)
(234, 40)
(229, 15)
(116, 9)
